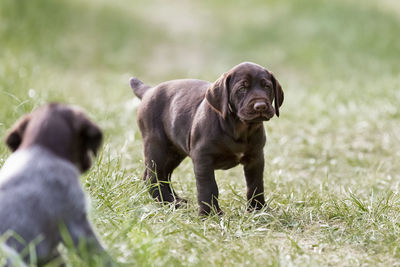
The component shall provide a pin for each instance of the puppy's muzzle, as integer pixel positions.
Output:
(261, 110)
(260, 106)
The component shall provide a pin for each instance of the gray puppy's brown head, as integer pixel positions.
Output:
(62, 129)
(249, 91)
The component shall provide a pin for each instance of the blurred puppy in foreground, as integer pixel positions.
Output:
(41, 201)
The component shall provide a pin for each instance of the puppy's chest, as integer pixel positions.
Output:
(230, 159)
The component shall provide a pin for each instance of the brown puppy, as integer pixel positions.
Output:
(218, 125)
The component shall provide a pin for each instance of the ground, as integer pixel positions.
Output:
(332, 158)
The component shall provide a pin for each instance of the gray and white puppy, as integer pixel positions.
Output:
(39, 183)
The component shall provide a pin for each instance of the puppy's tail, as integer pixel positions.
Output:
(139, 88)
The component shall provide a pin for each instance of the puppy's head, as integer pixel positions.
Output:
(249, 91)
(62, 129)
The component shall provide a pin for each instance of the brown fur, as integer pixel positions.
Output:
(218, 125)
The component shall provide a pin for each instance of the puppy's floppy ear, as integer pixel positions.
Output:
(16, 134)
(278, 94)
(217, 95)
(90, 139)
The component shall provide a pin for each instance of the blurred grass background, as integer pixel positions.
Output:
(332, 158)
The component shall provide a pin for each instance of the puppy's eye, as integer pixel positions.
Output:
(266, 85)
(242, 89)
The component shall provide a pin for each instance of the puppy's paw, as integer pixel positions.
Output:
(257, 206)
(180, 202)
(206, 212)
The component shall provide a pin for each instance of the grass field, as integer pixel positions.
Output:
(332, 173)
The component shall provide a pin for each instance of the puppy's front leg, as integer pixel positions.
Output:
(253, 171)
(207, 189)
(85, 240)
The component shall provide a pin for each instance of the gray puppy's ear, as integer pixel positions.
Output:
(278, 94)
(16, 134)
(90, 137)
(217, 95)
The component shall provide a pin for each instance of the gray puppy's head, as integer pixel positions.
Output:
(62, 129)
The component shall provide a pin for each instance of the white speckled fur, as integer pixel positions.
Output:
(38, 190)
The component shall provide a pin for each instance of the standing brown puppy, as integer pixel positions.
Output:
(218, 125)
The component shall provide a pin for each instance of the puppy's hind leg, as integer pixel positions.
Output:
(160, 162)
(174, 158)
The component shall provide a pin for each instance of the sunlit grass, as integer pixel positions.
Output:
(332, 172)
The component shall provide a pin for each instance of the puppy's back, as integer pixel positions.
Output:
(169, 109)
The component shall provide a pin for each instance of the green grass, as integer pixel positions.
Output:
(332, 158)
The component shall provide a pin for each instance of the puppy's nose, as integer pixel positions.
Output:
(260, 106)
